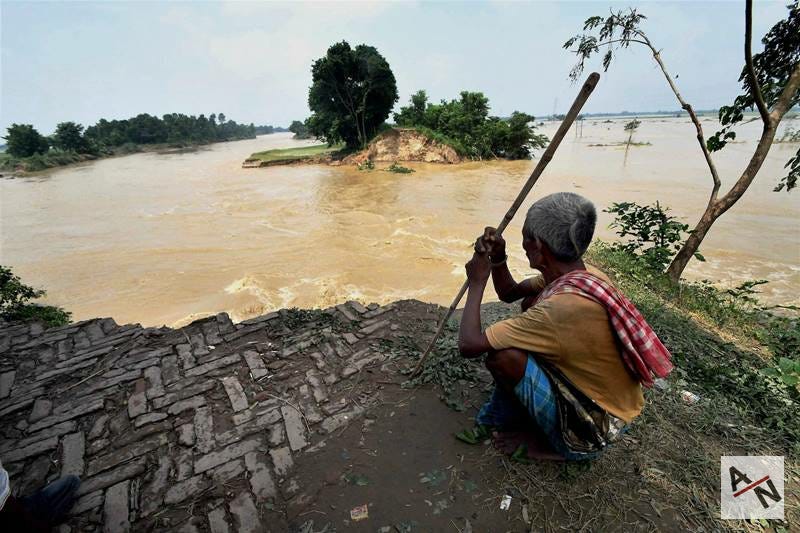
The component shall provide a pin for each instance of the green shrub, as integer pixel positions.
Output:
(650, 232)
(367, 165)
(35, 163)
(15, 303)
(51, 315)
(398, 169)
(443, 139)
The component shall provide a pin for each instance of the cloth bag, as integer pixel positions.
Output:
(585, 426)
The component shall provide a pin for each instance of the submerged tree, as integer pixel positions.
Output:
(352, 93)
(631, 128)
(770, 83)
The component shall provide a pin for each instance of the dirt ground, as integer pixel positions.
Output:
(403, 462)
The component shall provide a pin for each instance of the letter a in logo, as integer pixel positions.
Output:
(737, 477)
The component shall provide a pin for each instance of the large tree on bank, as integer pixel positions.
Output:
(770, 84)
(69, 137)
(352, 93)
(22, 140)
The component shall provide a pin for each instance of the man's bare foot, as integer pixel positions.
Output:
(510, 443)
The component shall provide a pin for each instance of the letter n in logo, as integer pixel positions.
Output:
(751, 487)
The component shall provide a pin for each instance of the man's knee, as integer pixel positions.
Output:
(508, 365)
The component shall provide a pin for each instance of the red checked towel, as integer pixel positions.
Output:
(642, 352)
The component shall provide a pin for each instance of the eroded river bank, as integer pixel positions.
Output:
(163, 238)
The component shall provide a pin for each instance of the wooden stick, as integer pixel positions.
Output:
(583, 95)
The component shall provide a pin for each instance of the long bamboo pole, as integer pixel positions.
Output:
(583, 95)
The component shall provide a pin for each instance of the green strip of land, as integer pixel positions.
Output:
(294, 154)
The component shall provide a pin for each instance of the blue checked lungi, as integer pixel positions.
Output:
(533, 402)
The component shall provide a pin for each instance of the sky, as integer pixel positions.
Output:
(82, 61)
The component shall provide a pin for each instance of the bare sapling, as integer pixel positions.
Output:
(770, 83)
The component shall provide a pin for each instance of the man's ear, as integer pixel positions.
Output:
(542, 248)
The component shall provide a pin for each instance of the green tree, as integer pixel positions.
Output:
(352, 93)
(146, 129)
(108, 133)
(22, 140)
(414, 113)
(521, 138)
(299, 129)
(69, 137)
(770, 83)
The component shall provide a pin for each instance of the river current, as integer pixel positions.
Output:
(166, 238)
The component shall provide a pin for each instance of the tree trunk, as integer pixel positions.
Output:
(719, 206)
(692, 244)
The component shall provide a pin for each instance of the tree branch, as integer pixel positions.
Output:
(782, 105)
(692, 115)
(622, 40)
(748, 61)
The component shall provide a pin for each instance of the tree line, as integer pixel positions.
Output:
(23, 140)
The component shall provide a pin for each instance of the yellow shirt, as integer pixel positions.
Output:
(574, 334)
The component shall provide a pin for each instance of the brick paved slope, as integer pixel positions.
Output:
(195, 429)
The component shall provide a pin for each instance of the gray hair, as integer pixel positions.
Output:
(564, 221)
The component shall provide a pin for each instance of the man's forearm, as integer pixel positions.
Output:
(470, 334)
(504, 284)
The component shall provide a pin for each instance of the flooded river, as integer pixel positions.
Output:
(164, 238)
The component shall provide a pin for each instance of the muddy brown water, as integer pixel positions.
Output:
(165, 238)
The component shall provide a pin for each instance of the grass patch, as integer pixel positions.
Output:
(37, 162)
(294, 154)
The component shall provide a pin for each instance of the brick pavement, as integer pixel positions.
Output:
(195, 429)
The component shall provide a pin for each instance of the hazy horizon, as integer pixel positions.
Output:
(85, 61)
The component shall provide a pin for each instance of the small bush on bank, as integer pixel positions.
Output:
(649, 232)
(15, 302)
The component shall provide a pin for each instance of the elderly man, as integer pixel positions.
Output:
(568, 369)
